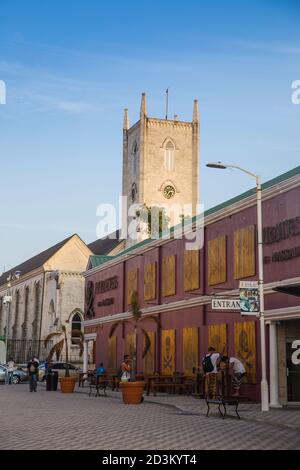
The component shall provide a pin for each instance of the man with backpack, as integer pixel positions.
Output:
(33, 369)
(210, 364)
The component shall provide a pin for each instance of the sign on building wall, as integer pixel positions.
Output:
(190, 350)
(245, 347)
(249, 298)
(225, 304)
(217, 337)
(296, 354)
(168, 352)
(149, 359)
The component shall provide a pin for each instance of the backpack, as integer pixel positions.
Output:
(207, 364)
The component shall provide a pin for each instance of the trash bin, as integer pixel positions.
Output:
(51, 381)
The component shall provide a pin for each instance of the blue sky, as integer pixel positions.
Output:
(71, 67)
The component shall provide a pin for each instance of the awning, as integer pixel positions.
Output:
(292, 289)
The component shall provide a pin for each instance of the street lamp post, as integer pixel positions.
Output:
(264, 382)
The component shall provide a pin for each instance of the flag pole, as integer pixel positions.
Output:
(167, 102)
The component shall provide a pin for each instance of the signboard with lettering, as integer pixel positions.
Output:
(296, 354)
(225, 304)
(106, 285)
(105, 302)
(285, 229)
(249, 298)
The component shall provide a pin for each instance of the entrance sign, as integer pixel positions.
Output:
(249, 298)
(225, 304)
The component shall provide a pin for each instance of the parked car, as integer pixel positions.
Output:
(19, 375)
(59, 367)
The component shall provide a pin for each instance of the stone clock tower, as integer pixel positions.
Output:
(161, 161)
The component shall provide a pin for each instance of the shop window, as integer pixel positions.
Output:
(244, 252)
(150, 281)
(217, 261)
(132, 284)
(191, 270)
(168, 276)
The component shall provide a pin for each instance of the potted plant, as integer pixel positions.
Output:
(132, 391)
(67, 383)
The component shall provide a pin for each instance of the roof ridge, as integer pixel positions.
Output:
(30, 262)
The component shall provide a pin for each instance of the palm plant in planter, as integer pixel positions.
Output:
(67, 383)
(132, 391)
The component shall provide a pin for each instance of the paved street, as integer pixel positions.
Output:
(52, 420)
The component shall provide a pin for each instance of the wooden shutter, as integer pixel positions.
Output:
(168, 276)
(168, 352)
(244, 252)
(112, 352)
(150, 281)
(217, 260)
(149, 359)
(245, 347)
(191, 270)
(130, 344)
(190, 350)
(217, 337)
(132, 284)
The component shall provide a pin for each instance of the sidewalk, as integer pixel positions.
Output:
(187, 405)
(54, 420)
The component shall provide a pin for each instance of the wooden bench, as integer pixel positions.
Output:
(223, 396)
(175, 382)
(83, 377)
(229, 401)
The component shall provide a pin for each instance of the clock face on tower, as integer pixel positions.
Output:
(169, 191)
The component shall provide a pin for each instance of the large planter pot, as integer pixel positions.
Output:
(67, 384)
(132, 392)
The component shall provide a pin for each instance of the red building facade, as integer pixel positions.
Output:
(176, 285)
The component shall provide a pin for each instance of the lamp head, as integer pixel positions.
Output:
(218, 165)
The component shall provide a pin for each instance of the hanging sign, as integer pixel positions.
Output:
(225, 304)
(249, 297)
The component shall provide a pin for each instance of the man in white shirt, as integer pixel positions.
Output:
(238, 373)
(10, 370)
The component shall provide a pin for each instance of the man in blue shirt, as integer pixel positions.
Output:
(100, 370)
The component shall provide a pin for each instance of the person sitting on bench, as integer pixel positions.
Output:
(100, 370)
(238, 373)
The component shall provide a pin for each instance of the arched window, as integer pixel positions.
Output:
(76, 327)
(169, 156)
(134, 154)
